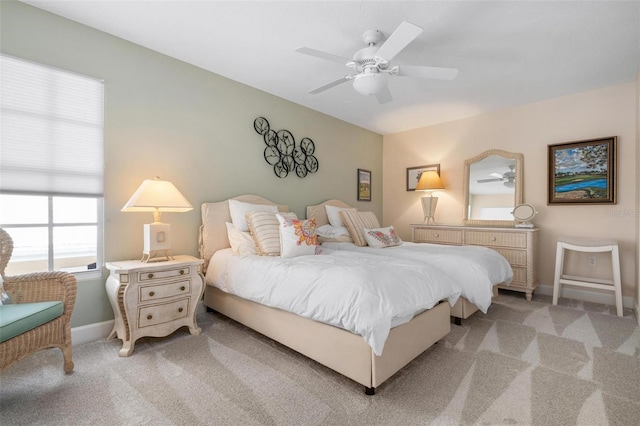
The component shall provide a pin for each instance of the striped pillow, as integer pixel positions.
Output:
(356, 221)
(265, 230)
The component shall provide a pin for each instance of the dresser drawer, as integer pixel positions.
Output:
(437, 236)
(484, 238)
(169, 273)
(162, 291)
(514, 257)
(163, 312)
(519, 276)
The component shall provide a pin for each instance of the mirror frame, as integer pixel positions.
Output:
(518, 189)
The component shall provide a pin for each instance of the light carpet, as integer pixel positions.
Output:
(523, 363)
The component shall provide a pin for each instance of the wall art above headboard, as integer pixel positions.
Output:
(284, 153)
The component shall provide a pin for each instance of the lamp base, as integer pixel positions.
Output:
(430, 221)
(151, 257)
(429, 208)
(157, 242)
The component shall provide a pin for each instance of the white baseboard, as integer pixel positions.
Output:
(91, 332)
(100, 330)
(587, 296)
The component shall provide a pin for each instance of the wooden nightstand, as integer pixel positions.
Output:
(518, 245)
(153, 299)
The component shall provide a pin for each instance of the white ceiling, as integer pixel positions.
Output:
(508, 53)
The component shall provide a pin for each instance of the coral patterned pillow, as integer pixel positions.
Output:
(298, 237)
(382, 237)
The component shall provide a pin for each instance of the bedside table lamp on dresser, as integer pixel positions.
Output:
(153, 299)
(428, 182)
(157, 196)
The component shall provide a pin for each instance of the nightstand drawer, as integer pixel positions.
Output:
(437, 236)
(162, 313)
(169, 273)
(161, 291)
(504, 239)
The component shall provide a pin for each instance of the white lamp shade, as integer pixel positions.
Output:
(157, 195)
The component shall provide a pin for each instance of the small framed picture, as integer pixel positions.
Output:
(364, 185)
(582, 172)
(414, 173)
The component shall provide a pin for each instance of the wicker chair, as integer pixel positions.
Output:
(38, 287)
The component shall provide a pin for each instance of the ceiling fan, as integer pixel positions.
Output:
(507, 178)
(370, 64)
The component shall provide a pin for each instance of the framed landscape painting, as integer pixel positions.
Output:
(582, 172)
(364, 185)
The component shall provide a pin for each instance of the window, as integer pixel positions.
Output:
(51, 167)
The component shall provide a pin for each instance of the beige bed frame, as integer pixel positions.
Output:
(335, 348)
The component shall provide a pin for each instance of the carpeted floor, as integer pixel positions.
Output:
(522, 363)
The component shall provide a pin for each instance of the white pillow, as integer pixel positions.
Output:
(329, 231)
(241, 242)
(382, 237)
(297, 237)
(333, 214)
(239, 210)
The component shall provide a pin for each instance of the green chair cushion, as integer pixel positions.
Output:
(20, 317)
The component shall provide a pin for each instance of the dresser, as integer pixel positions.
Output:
(153, 299)
(518, 245)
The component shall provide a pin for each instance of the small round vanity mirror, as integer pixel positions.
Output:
(523, 213)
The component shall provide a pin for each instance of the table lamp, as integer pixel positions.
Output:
(428, 182)
(157, 196)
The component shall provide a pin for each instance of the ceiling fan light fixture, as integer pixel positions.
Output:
(369, 83)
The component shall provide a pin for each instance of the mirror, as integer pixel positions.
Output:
(523, 213)
(492, 188)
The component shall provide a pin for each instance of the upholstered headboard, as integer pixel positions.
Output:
(213, 232)
(319, 212)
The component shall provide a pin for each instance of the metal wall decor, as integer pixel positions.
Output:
(283, 153)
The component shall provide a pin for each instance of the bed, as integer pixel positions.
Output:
(479, 270)
(338, 349)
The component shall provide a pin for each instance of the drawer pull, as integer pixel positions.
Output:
(152, 293)
(149, 317)
(182, 288)
(180, 309)
(436, 235)
(493, 238)
(181, 271)
(150, 276)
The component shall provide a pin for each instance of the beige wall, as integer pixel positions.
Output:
(192, 127)
(528, 129)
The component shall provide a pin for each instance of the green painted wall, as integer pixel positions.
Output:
(166, 118)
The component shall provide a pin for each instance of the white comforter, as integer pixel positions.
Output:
(475, 269)
(359, 293)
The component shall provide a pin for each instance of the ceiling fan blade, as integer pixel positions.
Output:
(488, 180)
(427, 72)
(323, 55)
(398, 40)
(384, 96)
(330, 85)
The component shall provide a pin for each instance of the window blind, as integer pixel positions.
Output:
(51, 130)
